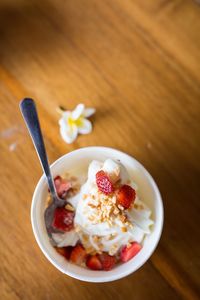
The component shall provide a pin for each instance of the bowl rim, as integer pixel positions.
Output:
(107, 277)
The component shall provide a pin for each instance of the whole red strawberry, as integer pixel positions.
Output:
(103, 182)
(63, 219)
(126, 196)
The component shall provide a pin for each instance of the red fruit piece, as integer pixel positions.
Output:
(126, 196)
(103, 182)
(62, 186)
(129, 252)
(107, 261)
(93, 262)
(63, 219)
(64, 251)
(78, 255)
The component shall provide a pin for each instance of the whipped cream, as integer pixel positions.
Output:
(100, 224)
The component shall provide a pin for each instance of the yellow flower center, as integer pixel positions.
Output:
(78, 122)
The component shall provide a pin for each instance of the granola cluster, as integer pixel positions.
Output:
(106, 209)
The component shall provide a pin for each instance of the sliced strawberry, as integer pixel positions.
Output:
(93, 262)
(64, 251)
(63, 219)
(107, 261)
(126, 196)
(129, 252)
(103, 182)
(62, 186)
(78, 255)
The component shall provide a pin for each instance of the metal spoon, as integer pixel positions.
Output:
(29, 112)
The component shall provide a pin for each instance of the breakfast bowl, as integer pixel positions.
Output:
(76, 163)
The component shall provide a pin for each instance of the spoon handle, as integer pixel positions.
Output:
(29, 112)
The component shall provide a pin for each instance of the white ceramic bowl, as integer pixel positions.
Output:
(147, 189)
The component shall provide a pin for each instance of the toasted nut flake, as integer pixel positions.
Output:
(77, 228)
(113, 200)
(71, 193)
(120, 207)
(129, 224)
(85, 238)
(123, 218)
(69, 207)
(90, 218)
(96, 238)
(112, 236)
(76, 189)
(110, 223)
(100, 247)
(85, 196)
(107, 237)
(123, 229)
(96, 203)
(138, 206)
(92, 205)
(128, 245)
(89, 250)
(111, 252)
(73, 178)
(116, 211)
(141, 207)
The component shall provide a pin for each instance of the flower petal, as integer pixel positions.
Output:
(66, 115)
(86, 127)
(77, 112)
(69, 134)
(88, 112)
(64, 119)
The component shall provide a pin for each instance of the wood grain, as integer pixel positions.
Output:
(138, 63)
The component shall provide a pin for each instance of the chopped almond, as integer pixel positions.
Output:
(69, 207)
(123, 229)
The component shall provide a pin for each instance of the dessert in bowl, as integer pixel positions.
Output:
(113, 218)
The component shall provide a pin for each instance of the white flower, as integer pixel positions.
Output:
(74, 122)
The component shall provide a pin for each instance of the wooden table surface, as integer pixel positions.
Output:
(138, 63)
